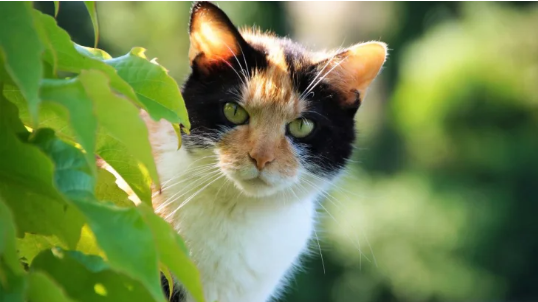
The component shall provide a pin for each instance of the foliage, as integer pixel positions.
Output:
(67, 232)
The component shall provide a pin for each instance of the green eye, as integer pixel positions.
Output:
(301, 127)
(235, 113)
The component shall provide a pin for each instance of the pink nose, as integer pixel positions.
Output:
(261, 158)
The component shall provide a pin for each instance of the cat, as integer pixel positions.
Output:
(272, 128)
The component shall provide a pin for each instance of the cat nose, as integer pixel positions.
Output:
(261, 158)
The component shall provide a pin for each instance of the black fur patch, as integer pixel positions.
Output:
(177, 296)
(334, 136)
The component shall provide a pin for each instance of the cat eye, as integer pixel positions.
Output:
(235, 113)
(301, 127)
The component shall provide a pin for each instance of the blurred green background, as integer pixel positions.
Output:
(441, 198)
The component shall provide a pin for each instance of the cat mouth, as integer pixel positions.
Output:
(257, 181)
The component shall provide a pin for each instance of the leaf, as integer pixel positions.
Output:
(32, 244)
(130, 130)
(72, 95)
(91, 6)
(43, 289)
(117, 156)
(108, 148)
(170, 281)
(56, 8)
(127, 242)
(177, 130)
(88, 278)
(154, 87)
(108, 190)
(26, 184)
(8, 249)
(173, 253)
(116, 229)
(69, 59)
(12, 286)
(21, 50)
(94, 53)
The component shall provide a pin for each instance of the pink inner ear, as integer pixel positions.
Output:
(357, 68)
(213, 40)
(215, 43)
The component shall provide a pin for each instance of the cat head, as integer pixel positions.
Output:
(272, 111)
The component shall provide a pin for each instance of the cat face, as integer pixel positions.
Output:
(273, 112)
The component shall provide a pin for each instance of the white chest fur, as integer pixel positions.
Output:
(243, 246)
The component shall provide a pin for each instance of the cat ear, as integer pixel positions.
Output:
(354, 69)
(214, 39)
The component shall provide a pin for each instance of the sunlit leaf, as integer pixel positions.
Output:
(56, 8)
(69, 59)
(91, 6)
(94, 53)
(130, 130)
(122, 143)
(108, 190)
(27, 187)
(88, 278)
(170, 281)
(72, 95)
(22, 50)
(41, 288)
(154, 87)
(116, 229)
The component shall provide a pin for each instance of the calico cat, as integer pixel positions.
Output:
(272, 127)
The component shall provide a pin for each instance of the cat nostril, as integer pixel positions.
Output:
(252, 159)
(260, 160)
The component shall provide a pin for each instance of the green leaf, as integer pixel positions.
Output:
(41, 288)
(117, 156)
(108, 190)
(91, 6)
(173, 253)
(8, 249)
(94, 53)
(116, 229)
(21, 50)
(72, 95)
(56, 8)
(127, 242)
(108, 148)
(88, 278)
(69, 59)
(12, 286)
(169, 279)
(154, 87)
(32, 244)
(130, 130)
(26, 184)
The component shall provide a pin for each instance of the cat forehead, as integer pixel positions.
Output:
(274, 85)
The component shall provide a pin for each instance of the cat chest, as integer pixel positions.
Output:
(250, 248)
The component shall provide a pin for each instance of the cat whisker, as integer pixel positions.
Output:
(192, 186)
(315, 233)
(326, 74)
(237, 60)
(333, 200)
(188, 170)
(194, 195)
(307, 90)
(199, 172)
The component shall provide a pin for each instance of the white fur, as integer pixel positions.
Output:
(243, 246)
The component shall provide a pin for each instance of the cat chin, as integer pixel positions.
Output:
(257, 187)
